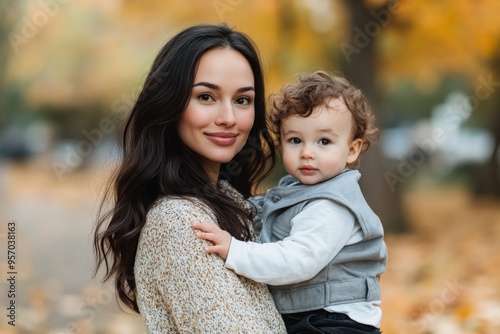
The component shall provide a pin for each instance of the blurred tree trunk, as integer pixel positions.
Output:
(488, 179)
(6, 26)
(360, 67)
(8, 11)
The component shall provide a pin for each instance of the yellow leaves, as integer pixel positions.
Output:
(487, 46)
(464, 311)
(95, 50)
(442, 37)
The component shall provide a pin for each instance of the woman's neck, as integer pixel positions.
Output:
(212, 171)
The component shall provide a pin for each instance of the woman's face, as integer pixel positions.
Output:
(220, 112)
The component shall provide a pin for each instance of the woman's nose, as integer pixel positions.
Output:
(226, 115)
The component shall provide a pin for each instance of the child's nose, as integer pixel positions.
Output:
(307, 152)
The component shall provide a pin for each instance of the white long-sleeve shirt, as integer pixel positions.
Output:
(317, 235)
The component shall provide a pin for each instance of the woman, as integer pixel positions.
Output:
(194, 146)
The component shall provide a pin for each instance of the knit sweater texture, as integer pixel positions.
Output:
(181, 289)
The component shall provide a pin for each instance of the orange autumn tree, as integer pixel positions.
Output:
(425, 42)
(429, 41)
(283, 30)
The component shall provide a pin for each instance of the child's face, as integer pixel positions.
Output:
(318, 147)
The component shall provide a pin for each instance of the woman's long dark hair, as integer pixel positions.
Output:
(156, 163)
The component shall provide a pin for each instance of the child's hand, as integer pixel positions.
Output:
(213, 233)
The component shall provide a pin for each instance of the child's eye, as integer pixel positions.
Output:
(205, 97)
(325, 141)
(294, 140)
(244, 100)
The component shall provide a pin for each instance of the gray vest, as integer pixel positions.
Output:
(352, 275)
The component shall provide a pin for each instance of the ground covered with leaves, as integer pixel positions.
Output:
(443, 277)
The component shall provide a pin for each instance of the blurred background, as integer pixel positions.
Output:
(70, 71)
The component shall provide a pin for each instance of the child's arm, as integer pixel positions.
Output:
(317, 235)
(213, 233)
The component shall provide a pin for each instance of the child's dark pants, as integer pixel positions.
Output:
(321, 321)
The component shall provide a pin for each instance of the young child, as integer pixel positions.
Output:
(322, 249)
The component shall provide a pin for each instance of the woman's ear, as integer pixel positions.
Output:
(354, 150)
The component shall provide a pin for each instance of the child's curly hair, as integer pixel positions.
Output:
(316, 89)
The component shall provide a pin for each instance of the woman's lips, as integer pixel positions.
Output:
(222, 138)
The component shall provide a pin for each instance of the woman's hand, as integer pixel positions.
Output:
(220, 238)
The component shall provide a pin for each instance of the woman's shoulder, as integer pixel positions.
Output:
(173, 202)
(172, 217)
(172, 208)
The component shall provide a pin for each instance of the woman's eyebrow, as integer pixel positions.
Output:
(216, 87)
(207, 84)
(245, 89)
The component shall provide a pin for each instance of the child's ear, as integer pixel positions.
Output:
(354, 150)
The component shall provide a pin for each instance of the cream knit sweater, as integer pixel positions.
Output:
(181, 289)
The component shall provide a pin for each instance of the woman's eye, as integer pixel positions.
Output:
(244, 100)
(205, 97)
(294, 140)
(325, 141)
